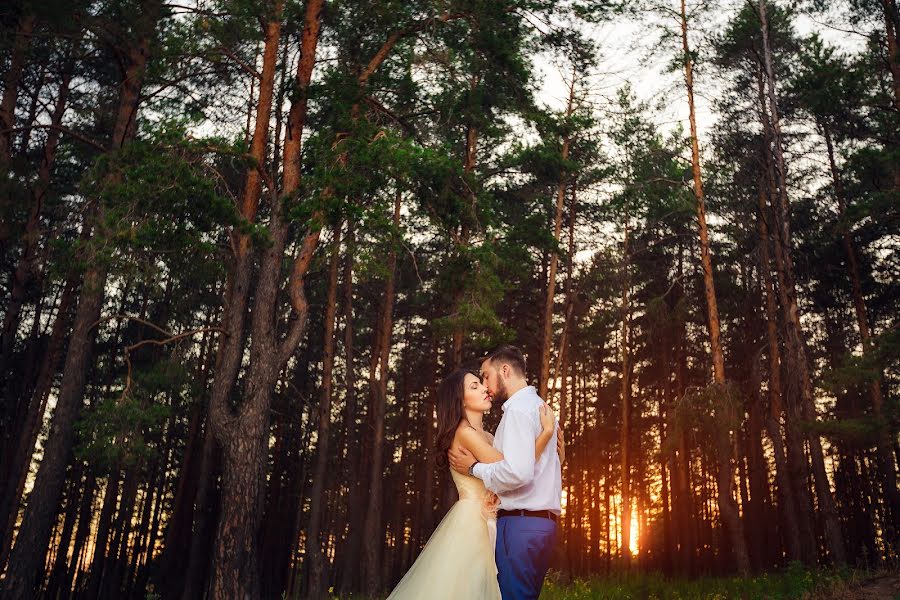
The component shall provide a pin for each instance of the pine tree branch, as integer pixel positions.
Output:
(71, 133)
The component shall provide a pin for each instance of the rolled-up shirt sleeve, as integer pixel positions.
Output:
(517, 467)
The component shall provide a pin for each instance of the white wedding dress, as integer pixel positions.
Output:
(458, 560)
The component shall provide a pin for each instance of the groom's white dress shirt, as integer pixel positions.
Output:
(519, 480)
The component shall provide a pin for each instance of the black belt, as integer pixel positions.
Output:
(519, 512)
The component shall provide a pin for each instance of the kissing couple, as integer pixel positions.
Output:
(497, 540)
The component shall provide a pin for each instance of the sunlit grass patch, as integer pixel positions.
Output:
(794, 582)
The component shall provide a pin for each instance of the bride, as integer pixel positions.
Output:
(458, 560)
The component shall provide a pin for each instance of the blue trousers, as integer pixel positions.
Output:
(524, 548)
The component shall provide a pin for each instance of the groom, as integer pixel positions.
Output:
(529, 489)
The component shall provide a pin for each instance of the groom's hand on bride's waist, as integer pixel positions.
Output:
(461, 460)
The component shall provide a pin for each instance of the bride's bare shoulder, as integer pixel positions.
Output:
(461, 432)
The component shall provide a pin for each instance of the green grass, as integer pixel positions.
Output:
(794, 582)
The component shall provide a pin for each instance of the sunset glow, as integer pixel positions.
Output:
(633, 537)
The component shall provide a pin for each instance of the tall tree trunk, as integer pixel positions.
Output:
(625, 431)
(316, 554)
(666, 459)
(101, 539)
(562, 355)
(177, 537)
(235, 573)
(198, 558)
(81, 534)
(797, 469)
(787, 504)
(243, 436)
(549, 300)
(727, 506)
(351, 468)
(231, 345)
(795, 340)
(892, 31)
(178, 565)
(426, 475)
(682, 457)
(373, 535)
(118, 549)
(57, 575)
(469, 170)
(756, 511)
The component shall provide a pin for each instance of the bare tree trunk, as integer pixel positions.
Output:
(892, 31)
(81, 535)
(795, 338)
(373, 536)
(787, 504)
(756, 511)
(118, 550)
(562, 354)
(625, 432)
(352, 459)
(315, 553)
(19, 441)
(681, 454)
(468, 169)
(797, 469)
(243, 436)
(727, 505)
(198, 561)
(547, 323)
(57, 573)
(101, 539)
(426, 473)
(891, 27)
(666, 459)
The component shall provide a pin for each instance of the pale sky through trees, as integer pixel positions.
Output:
(631, 53)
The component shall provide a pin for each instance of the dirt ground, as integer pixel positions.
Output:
(884, 587)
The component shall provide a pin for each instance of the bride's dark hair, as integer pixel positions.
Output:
(450, 412)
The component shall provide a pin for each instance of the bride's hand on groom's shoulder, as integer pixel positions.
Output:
(548, 419)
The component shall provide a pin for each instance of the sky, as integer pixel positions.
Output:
(626, 45)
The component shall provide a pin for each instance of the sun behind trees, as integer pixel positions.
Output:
(242, 241)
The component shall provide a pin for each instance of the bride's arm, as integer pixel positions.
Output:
(475, 443)
(548, 428)
(484, 452)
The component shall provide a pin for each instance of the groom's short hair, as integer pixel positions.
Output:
(509, 355)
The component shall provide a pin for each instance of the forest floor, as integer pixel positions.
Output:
(792, 583)
(883, 587)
